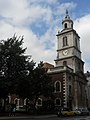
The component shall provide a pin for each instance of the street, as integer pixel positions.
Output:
(45, 117)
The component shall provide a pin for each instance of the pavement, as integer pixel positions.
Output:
(18, 116)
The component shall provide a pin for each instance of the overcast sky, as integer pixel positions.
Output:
(39, 21)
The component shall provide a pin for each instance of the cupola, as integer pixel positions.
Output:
(67, 23)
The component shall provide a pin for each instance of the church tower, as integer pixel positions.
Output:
(68, 74)
(68, 46)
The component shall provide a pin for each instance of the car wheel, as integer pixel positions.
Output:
(65, 114)
(75, 114)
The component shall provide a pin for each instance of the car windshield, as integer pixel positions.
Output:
(78, 109)
(81, 110)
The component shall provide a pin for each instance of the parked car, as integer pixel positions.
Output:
(77, 112)
(65, 113)
(81, 111)
(84, 112)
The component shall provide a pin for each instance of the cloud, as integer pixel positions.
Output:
(24, 11)
(43, 2)
(60, 9)
(21, 16)
(13, 12)
(82, 26)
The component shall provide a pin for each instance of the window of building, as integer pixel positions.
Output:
(15, 101)
(39, 102)
(65, 41)
(57, 86)
(26, 101)
(58, 102)
(57, 55)
(9, 99)
(65, 25)
(70, 78)
(79, 65)
(64, 63)
(71, 25)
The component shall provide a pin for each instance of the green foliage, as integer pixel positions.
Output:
(38, 83)
(14, 64)
(18, 73)
(41, 83)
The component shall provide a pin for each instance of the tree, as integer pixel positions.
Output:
(37, 83)
(14, 65)
(18, 73)
(41, 83)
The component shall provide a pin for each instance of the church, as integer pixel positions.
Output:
(68, 73)
(69, 80)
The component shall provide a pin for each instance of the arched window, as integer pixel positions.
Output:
(65, 25)
(57, 55)
(65, 43)
(64, 63)
(16, 101)
(58, 102)
(26, 101)
(79, 66)
(57, 86)
(9, 99)
(71, 25)
(39, 102)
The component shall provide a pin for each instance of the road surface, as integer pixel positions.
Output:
(44, 117)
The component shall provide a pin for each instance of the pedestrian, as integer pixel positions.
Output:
(60, 112)
(10, 110)
(14, 110)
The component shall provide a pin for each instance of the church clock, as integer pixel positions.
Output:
(65, 52)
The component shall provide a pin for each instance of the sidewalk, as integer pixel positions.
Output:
(26, 116)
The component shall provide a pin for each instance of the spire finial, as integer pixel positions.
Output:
(66, 11)
(67, 16)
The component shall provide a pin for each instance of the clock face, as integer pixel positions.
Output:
(65, 52)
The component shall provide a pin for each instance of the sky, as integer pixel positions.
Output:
(39, 21)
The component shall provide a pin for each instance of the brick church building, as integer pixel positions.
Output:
(68, 73)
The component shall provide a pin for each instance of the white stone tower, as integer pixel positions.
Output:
(68, 46)
(69, 55)
(69, 70)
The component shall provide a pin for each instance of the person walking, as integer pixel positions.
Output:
(10, 109)
(14, 110)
